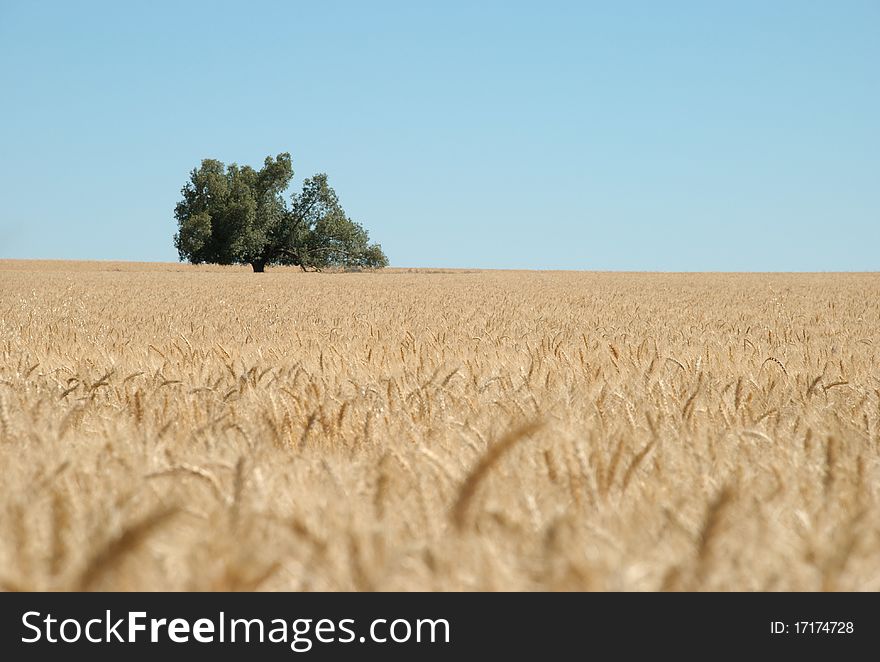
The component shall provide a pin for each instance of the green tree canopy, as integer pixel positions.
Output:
(237, 215)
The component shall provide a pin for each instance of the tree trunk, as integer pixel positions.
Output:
(259, 266)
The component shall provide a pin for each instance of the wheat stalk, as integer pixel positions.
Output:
(468, 488)
(111, 555)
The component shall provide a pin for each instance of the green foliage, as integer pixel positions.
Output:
(237, 215)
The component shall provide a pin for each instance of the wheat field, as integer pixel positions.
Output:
(169, 427)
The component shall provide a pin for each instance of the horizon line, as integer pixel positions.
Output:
(109, 261)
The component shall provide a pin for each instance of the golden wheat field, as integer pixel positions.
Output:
(172, 427)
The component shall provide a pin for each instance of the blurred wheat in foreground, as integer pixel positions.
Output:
(174, 427)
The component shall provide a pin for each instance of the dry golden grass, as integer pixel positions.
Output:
(171, 427)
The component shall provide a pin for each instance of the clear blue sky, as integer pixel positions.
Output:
(645, 135)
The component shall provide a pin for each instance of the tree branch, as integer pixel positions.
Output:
(300, 218)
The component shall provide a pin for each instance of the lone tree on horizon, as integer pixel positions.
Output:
(237, 215)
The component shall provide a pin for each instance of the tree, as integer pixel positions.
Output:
(237, 215)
